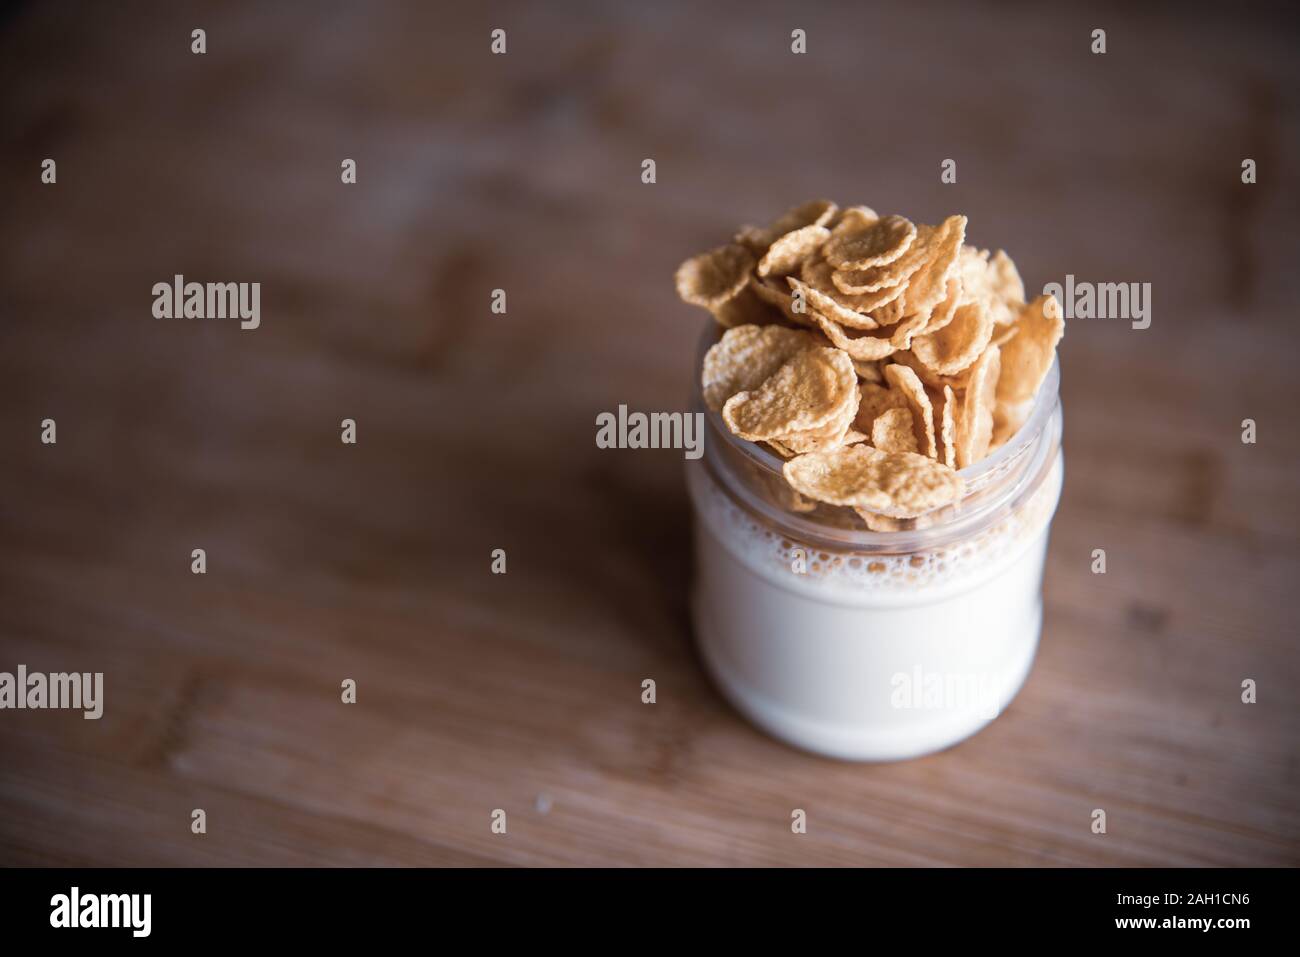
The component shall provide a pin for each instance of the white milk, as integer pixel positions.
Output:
(868, 657)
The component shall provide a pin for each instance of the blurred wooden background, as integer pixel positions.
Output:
(477, 431)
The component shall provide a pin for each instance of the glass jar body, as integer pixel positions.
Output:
(871, 646)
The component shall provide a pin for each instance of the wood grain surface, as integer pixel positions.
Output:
(475, 431)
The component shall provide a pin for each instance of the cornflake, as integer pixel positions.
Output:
(898, 484)
(947, 416)
(975, 426)
(943, 313)
(807, 392)
(1029, 354)
(874, 401)
(821, 294)
(905, 381)
(958, 344)
(894, 431)
(863, 346)
(818, 212)
(857, 243)
(745, 357)
(929, 285)
(788, 253)
(714, 278)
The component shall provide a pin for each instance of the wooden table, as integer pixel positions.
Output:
(475, 431)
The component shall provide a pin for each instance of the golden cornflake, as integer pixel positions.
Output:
(863, 346)
(894, 431)
(816, 213)
(745, 357)
(929, 285)
(857, 244)
(1028, 357)
(847, 310)
(975, 424)
(958, 344)
(808, 391)
(873, 402)
(897, 484)
(947, 413)
(905, 381)
(944, 312)
(789, 252)
(711, 279)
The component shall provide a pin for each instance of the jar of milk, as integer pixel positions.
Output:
(872, 645)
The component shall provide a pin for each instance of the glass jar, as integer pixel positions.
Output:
(871, 645)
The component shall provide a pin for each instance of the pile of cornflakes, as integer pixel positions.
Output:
(876, 356)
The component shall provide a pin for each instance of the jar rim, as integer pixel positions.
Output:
(994, 486)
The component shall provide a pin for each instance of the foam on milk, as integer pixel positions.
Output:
(768, 552)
